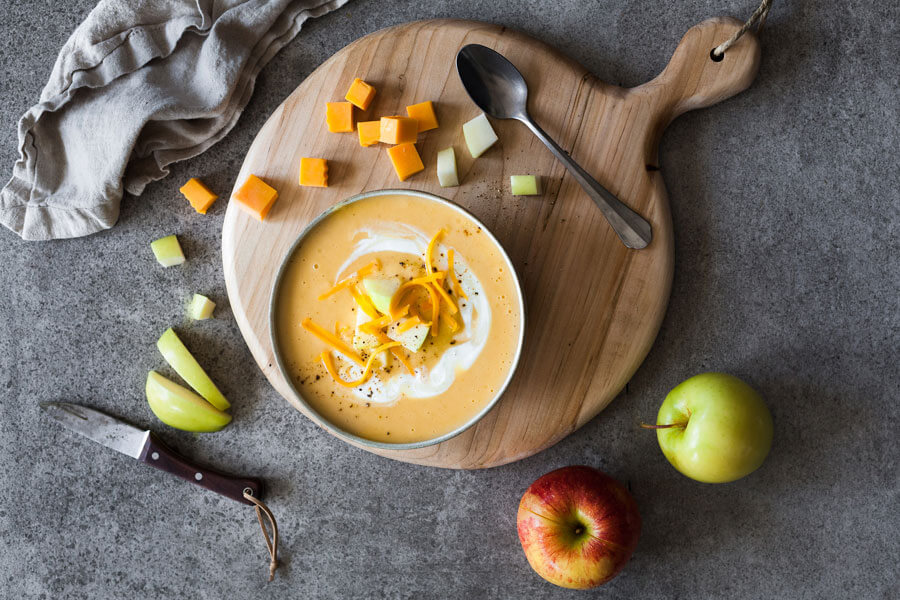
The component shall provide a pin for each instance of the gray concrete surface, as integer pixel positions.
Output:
(786, 202)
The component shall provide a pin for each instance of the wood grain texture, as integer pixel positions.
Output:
(593, 306)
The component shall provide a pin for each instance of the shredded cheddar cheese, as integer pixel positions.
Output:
(451, 322)
(364, 302)
(410, 323)
(427, 300)
(451, 275)
(376, 324)
(435, 309)
(429, 252)
(397, 352)
(352, 279)
(451, 305)
(381, 322)
(332, 340)
(367, 373)
(399, 295)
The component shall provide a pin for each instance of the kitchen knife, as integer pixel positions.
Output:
(147, 448)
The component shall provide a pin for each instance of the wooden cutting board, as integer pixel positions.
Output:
(593, 306)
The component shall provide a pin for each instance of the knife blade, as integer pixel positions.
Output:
(146, 447)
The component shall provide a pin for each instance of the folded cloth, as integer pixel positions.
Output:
(138, 86)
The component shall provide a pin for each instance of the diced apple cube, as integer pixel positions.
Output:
(412, 339)
(167, 251)
(479, 135)
(179, 407)
(201, 307)
(446, 168)
(525, 185)
(380, 291)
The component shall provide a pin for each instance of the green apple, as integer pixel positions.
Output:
(412, 339)
(184, 363)
(201, 307)
(714, 428)
(179, 407)
(524, 185)
(380, 291)
(167, 251)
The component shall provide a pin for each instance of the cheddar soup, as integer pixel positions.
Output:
(398, 318)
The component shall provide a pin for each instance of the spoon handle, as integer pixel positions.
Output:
(631, 228)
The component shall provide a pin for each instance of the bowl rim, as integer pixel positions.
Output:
(311, 412)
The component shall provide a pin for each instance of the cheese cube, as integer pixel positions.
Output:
(405, 159)
(479, 135)
(369, 132)
(314, 172)
(339, 116)
(360, 94)
(525, 185)
(198, 195)
(423, 112)
(256, 197)
(398, 130)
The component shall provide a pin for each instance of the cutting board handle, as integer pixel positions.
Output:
(693, 79)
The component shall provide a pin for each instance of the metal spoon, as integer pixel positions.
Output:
(497, 87)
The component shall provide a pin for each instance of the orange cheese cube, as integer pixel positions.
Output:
(198, 195)
(314, 172)
(339, 116)
(423, 112)
(369, 132)
(256, 197)
(398, 130)
(360, 94)
(406, 160)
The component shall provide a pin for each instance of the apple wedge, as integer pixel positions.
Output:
(179, 407)
(184, 363)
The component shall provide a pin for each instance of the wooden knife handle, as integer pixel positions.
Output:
(156, 454)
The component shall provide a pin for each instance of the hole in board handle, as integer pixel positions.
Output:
(716, 57)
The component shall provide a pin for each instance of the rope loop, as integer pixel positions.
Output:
(759, 15)
(271, 542)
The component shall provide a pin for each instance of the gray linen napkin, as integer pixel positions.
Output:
(138, 86)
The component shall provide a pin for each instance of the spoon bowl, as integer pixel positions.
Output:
(494, 84)
(496, 87)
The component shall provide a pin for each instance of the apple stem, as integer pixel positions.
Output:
(682, 425)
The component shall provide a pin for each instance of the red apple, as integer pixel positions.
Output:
(578, 527)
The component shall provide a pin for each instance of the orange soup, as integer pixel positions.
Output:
(398, 318)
